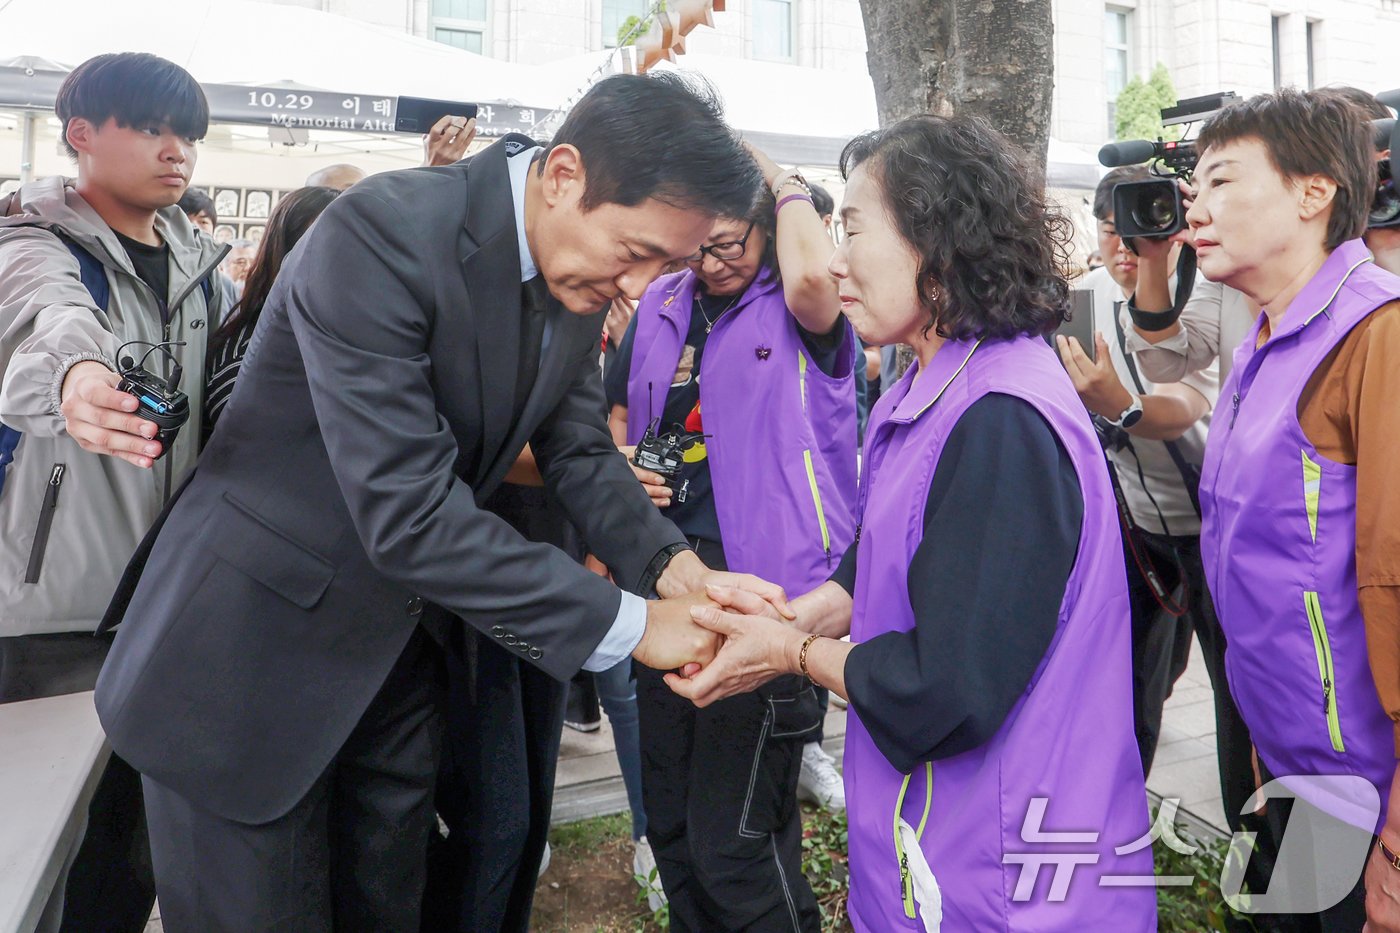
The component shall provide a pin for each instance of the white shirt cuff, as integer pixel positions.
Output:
(624, 636)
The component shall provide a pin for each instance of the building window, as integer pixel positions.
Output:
(1276, 25)
(617, 12)
(460, 24)
(1118, 58)
(772, 30)
(1312, 53)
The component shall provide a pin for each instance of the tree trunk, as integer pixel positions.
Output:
(993, 58)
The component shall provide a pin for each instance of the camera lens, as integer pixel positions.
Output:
(1155, 210)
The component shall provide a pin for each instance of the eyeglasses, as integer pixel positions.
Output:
(724, 252)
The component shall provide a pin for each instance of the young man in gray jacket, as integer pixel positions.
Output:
(88, 266)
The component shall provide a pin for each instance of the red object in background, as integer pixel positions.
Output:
(693, 422)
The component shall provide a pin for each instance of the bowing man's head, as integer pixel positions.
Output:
(632, 183)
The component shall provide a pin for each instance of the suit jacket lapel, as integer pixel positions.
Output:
(563, 343)
(491, 269)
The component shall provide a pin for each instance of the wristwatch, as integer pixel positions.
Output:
(1131, 415)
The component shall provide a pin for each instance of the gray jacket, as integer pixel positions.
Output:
(100, 506)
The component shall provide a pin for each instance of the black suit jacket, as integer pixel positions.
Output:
(343, 489)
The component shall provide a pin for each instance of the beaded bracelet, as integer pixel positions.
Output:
(793, 197)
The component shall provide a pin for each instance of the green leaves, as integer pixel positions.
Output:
(1138, 113)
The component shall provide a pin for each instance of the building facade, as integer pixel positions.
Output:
(1248, 46)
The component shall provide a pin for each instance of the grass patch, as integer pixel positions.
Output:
(579, 847)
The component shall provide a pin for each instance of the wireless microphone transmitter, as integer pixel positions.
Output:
(158, 401)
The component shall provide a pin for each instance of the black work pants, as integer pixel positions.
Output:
(720, 788)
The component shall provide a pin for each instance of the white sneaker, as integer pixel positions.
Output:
(819, 781)
(644, 868)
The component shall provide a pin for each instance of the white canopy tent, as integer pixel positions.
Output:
(799, 115)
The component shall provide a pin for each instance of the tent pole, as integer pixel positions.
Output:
(28, 121)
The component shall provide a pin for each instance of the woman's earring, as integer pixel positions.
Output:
(933, 294)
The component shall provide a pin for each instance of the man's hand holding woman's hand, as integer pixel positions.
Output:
(754, 649)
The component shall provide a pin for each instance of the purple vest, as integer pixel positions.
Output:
(1278, 538)
(1069, 739)
(782, 434)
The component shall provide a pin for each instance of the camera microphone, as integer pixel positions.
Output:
(1128, 152)
(128, 362)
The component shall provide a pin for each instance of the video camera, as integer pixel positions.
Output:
(1153, 208)
(1385, 207)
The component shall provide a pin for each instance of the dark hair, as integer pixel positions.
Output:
(1367, 103)
(135, 88)
(197, 201)
(290, 219)
(1308, 133)
(822, 201)
(660, 136)
(1103, 194)
(968, 202)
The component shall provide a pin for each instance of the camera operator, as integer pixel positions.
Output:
(1215, 319)
(1154, 435)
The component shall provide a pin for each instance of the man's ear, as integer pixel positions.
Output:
(79, 133)
(563, 176)
(1315, 195)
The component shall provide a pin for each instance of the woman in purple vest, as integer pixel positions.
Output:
(1297, 490)
(746, 346)
(992, 776)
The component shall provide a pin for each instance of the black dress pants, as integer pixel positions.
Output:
(349, 856)
(720, 788)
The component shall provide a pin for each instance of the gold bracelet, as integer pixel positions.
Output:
(1389, 856)
(802, 656)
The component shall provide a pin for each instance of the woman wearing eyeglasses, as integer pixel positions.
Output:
(747, 347)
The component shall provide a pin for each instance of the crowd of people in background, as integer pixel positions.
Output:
(419, 407)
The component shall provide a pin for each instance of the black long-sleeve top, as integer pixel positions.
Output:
(1001, 532)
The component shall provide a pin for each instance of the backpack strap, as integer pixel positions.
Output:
(92, 273)
(94, 279)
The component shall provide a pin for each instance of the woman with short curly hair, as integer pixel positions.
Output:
(988, 666)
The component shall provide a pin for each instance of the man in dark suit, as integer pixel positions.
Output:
(279, 677)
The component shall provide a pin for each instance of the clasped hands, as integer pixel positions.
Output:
(717, 633)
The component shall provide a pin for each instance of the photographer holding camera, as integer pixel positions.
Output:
(87, 266)
(1154, 436)
(1215, 318)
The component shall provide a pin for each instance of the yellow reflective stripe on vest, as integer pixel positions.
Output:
(1312, 486)
(817, 500)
